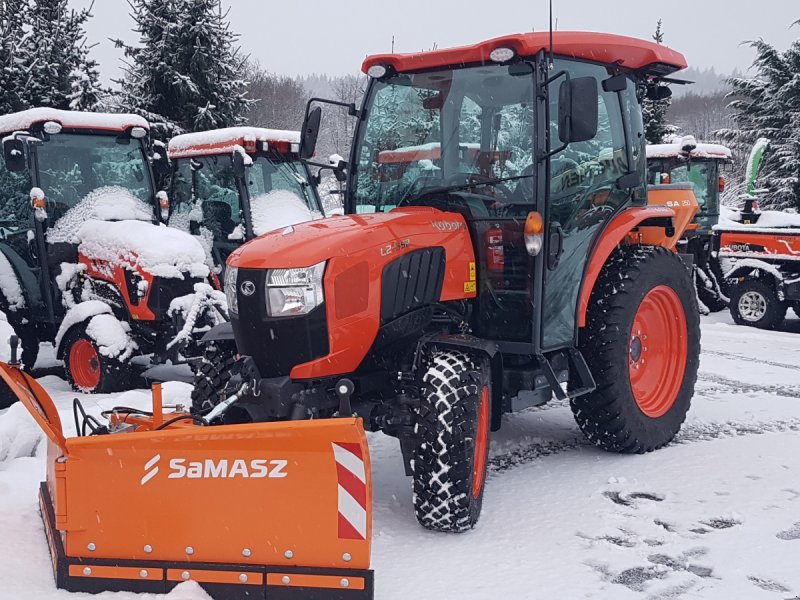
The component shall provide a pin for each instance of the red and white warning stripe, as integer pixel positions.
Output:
(352, 479)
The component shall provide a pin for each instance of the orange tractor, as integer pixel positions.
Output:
(499, 250)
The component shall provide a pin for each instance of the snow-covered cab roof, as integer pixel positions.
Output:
(631, 53)
(70, 119)
(679, 148)
(224, 141)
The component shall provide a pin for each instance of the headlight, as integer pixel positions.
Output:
(231, 274)
(292, 292)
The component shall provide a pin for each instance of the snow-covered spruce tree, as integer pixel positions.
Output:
(654, 112)
(15, 62)
(768, 106)
(57, 54)
(186, 74)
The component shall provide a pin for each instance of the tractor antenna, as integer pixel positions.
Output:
(551, 34)
(392, 44)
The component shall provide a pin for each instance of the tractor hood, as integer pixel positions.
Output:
(309, 243)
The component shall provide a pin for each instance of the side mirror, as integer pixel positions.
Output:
(14, 154)
(161, 165)
(658, 93)
(577, 110)
(238, 164)
(308, 141)
(340, 171)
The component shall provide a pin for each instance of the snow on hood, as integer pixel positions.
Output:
(111, 203)
(278, 209)
(730, 218)
(157, 249)
(70, 119)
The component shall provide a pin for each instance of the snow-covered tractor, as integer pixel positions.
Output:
(701, 165)
(83, 262)
(463, 286)
(231, 185)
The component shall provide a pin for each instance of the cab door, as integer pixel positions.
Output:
(584, 195)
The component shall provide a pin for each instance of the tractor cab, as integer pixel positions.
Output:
(231, 185)
(55, 161)
(702, 165)
(537, 156)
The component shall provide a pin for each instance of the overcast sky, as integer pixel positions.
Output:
(315, 36)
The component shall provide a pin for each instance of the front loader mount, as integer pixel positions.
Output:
(269, 511)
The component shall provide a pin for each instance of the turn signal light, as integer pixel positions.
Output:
(721, 184)
(534, 233)
(163, 204)
(666, 179)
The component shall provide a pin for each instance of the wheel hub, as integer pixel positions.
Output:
(656, 365)
(752, 306)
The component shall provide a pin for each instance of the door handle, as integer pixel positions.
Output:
(555, 245)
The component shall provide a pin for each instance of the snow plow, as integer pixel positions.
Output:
(458, 286)
(231, 185)
(699, 164)
(152, 499)
(84, 263)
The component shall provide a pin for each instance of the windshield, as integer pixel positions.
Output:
(71, 166)
(459, 129)
(211, 181)
(701, 173)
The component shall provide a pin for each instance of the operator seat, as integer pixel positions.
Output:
(217, 217)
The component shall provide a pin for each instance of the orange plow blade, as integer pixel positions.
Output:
(266, 510)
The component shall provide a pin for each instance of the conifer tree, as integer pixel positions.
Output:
(654, 112)
(63, 74)
(768, 106)
(15, 63)
(186, 74)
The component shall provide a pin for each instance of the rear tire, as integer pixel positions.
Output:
(88, 370)
(644, 386)
(213, 375)
(754, 303)
(452, 427)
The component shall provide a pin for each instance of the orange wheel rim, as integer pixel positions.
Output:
(84, 364)
(481, 441)
(657, 351)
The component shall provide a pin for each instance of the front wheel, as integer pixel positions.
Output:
(212, 375)
(88, 370)
(755, 303)
(453, 432)
(642, 344)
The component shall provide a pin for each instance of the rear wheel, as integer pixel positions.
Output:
(453, 431)
(212, 375)
(88, 370)
(710, 290)
(755, 303)
(642, 344)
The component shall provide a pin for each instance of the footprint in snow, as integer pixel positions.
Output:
(717, 523)
(629, 500)
(637, 577)
(790, 534)
(768, 584)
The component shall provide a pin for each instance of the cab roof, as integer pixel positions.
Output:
(628, 52)
(224, 141)
(713, 151)
(70, 119)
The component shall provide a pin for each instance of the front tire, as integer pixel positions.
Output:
(212, 376)
(642, 344)
(88, 370)
(754, 303)
(453, 430)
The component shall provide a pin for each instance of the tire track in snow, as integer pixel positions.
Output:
(693, 432)
(733, 385)
(750, 359)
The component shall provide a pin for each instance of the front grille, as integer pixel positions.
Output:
(412, 281)
(163, 291)
(276, 344)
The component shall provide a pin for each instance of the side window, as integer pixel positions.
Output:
(15, 201)
(181, 196)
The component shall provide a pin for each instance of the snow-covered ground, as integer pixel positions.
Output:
(714, 515)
